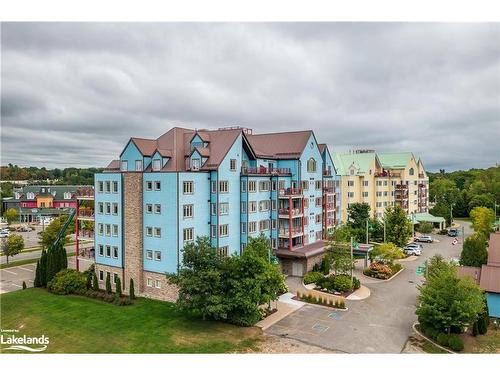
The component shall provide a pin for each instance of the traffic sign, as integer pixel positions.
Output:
(420, 270)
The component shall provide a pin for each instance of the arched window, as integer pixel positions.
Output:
(311, 165)
(412, 171)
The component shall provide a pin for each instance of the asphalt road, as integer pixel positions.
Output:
(378, 324)
(36, 254)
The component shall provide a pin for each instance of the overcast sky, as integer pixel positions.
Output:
(73, 94)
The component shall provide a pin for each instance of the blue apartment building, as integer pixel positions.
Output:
(227, 184)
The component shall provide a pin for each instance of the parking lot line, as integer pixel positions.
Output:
(13, 273)
(26, 269)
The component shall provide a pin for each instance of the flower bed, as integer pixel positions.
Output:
(328, 301)
(382, 271)
(333, 284)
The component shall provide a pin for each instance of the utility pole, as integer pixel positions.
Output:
(451, 213)
(366, 230)
(413, 224)
(384, 228)
(463, 236)
(352, 261)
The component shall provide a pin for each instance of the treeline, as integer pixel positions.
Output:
(463, 190)
(56, 176)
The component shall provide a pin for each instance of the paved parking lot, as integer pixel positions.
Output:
(379, 324)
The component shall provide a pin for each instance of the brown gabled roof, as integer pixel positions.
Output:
(164, 153)
(220, 143)
(286, 145)
(490, 279)
(494, 250)
(147, 147)
(322, 147)
(203, 151)
(473, 272)
(113, 165)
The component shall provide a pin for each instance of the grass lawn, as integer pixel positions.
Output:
(488, 343)
(77, 324)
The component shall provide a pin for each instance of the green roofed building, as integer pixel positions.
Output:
(382, 180)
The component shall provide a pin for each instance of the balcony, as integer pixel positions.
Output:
(285, 212)
(401, 187)
(85, 193)
(265, 171)
(330, 207)
(421, 175)
(295, 232)
(387, 174)
(294, 192)
(327, 172)
(328, 190)
(86, 213)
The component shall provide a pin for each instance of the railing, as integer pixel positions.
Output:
(86, 233)
(86, 212)
(264, 170)
(291, 191)
(327, 172)
(330, 207)
(286, 211)
(421, 175)
(85, 192)
(387, 174)
(401, 187)
(328, 190)
(286, 231)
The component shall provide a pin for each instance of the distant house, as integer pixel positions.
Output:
(34, 202)
(488, 276)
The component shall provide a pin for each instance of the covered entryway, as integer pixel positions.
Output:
(297, 269)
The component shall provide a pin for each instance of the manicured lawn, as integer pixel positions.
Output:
(77, 324)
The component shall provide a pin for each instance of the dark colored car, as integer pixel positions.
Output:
(453, 233)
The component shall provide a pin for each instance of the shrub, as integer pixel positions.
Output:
(443, 231)
(425, 227)
(326, 283)
(342, 304)
(482, 325)
(442, 339)
(356, 284)
(342, 283)
(379, 270)
(108, 284)
(89, 281)
(24, 285)
(313, 277)
(67, 281)
(95, 282)
(455, 343)
(131, 292)
(475, 330)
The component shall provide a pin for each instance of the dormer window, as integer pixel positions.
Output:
(138, 165)
(412, 171)
(124, 166)
(156, 164)
(311, 165)
(67, 195)
(30, 195)
(352, 171)
(195, 164)
(17, 195)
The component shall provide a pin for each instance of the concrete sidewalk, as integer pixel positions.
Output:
(285, 305)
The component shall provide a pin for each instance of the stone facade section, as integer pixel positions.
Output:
(133, 230)
(164, 291)
(105, 269)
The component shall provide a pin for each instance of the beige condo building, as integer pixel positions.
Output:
(382, 180)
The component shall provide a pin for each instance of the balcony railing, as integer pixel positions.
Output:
(328, 190)
(387, 174)
(327, 172)
(285, 232)
(86, 213)
(86, 192)
(286, 211)
(264, 170)
(290, 191)
(330, 207)
(401, 187)
(421, 175)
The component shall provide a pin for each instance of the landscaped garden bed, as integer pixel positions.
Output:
(338, 285)
(379, 270)
(323, 300)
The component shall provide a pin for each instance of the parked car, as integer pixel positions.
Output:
(427, 239)
(453, 233)
(24, 228)
(412, 250)
(4, 234)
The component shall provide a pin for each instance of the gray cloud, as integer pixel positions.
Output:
(73, 93)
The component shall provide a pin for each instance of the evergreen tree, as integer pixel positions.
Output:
(37, 282)
(95, 283)
(108, 284)
(118, 288)
(24, 284)
(474, 253)
(475, 329)
(43, 269)
(63, 257)
(51, 263)
(89, 281)
(131, 291)
(482, 326)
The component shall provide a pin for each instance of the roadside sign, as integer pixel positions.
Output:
(420, 270)
(355, 245)
(455, 241)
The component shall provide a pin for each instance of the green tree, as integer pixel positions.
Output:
(108, 284)
(118, 288)
(425, 227)
(51, 232)
(95, 282)
(474, 252)
(447, 302)
(386, 253)
(37, 282)
(131, 292)
(12, 245)
(398, 227)
(340, 257)
(342, 234)
(358, 214)
(43, 268)
(89, 281)
(482, 219)
(11, 215)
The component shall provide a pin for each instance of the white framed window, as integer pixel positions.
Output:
(223, 230)
(311, 165)
(149, 282)
(252, 227)
(264, 225)
(318, 185)
(195, 164)
(213, 231)
(158, 256)
(274, 221)
(124, 165)
(243, 227)
(188, 187)
(149, 254)
(243, 207)
(107, 187)
(108, 229)
(115, 208)
(115, 252)
(350, 183)
(115, 230)
(305, 185)
(108, 208)
(138, 165)
(188, 234)
(101, 250)
(101, 208)
(157, 185)
(273, 205)
(213, 187)
(149, 208)
(252, 206)
(115, 186)
(157, 284)
(252, 186)
(149, 231)
(223, 187)
(157, 232)
(213, 209)
(156, 164)
(187, 211)
(318, 202)
(99, 187)
(100, 229)
(243, 186)
(264, 205)
(232, 164)
(365, 183)
(273, 185)
(101, 275)
(264, 186)
(350, 194)
(223, 208)
(108, 251)
(149, 185)
(223, 251)
(158, 209)
(365, 194)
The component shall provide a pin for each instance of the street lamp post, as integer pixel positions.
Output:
(384, 227)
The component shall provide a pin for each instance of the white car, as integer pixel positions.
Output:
(4, 234)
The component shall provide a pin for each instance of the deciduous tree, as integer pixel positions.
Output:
(482, 219)
(398, 227)
(11, 215)
(474, 252)
(12, 245)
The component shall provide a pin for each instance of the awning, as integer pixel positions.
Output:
(425, 217)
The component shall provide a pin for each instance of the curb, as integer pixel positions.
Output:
(431, 341)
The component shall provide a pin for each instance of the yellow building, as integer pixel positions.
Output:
(382, 180)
